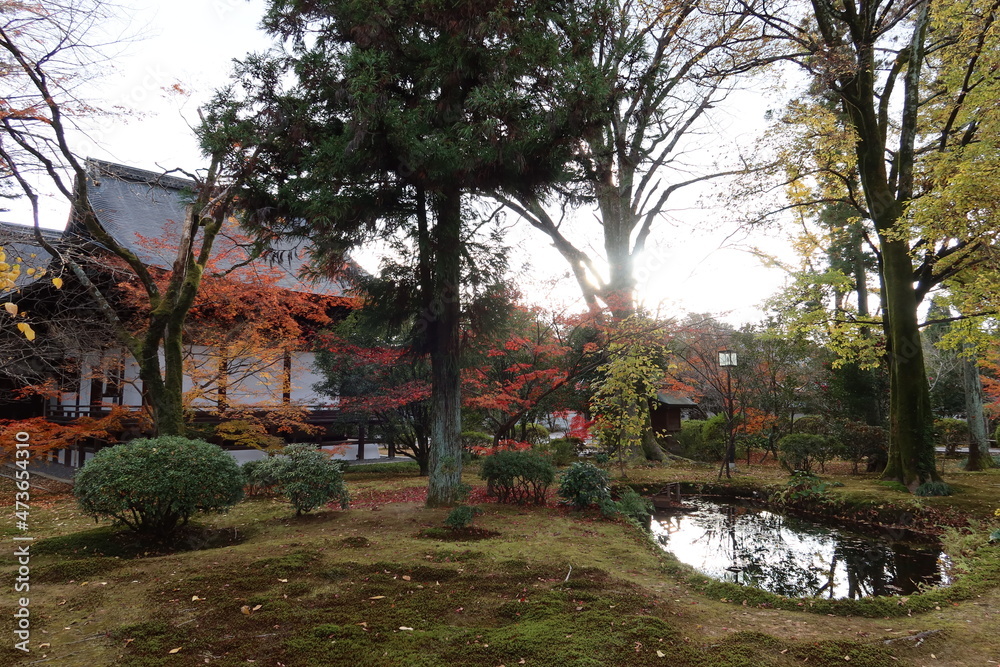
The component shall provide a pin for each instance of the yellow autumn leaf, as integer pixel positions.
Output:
(26, 329)
(245, 610)
(30, 272)
(58, 282)
(175, 650)
(10, 308)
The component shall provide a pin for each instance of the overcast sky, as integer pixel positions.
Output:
(693, 263)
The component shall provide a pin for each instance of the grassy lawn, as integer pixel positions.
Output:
(552, 587)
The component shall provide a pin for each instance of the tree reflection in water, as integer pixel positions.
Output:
(794, 557)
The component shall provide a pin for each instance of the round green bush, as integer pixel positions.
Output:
(536, 434)
(461, 517)
(583, 484)
(802, 451)
(518, 476)
(154, 485)
(306, 476)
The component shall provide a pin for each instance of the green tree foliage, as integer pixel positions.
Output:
(907, 79)
(392, 115)
(155, 485)
(306, 476)
(626, 382)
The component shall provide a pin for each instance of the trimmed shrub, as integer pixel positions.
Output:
(583, 484)
(861, 441)
(519, 476)
(155, 485)
(306, 476)
(803, 451)
(536, 434)
(461, 517)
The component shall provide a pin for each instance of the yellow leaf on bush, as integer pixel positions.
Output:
(10, 308)
(26, 329)
(58, 282)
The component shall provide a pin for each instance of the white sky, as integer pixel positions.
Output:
(693, 262)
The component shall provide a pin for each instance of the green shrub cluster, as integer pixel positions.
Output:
(702, 439)
(155, 485)
(804, 486)
(476, 439)
(583, 484)
(259, 481)
(860, 441)
(933, 489)
(562, 451)
(536, 434)
(632, 506)
(518, 476)
(804, 451)
(304, 475)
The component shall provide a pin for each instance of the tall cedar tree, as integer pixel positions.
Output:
(393, 114)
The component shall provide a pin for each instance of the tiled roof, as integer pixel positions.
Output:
(673, 399)
(139, 207)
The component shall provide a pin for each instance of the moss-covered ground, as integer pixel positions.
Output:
(367, 586)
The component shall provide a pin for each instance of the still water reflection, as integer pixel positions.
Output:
(794, 557)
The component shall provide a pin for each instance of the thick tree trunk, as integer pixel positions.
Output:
(911, 444)
(445, 464)
(650, 445)
(167, 406)
(979, 442)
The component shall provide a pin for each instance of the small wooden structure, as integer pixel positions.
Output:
(669, 497)
(665, 412)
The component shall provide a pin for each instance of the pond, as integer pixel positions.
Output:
(794, 557)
